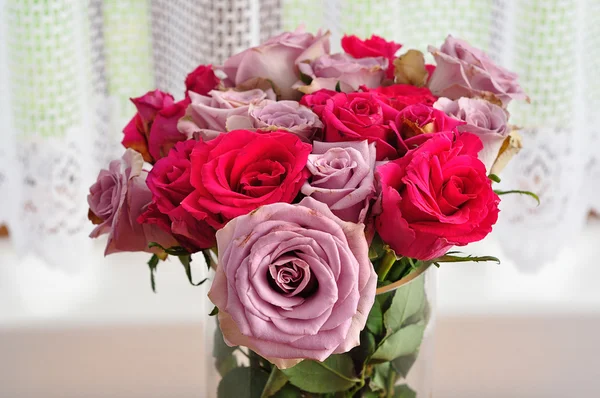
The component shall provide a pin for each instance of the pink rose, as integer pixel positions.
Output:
(201, 80)
(294, 282)
(268, 115)
(342, 177)
(153, 130)
(276, 60)
(239, 171)
(424, 119)
(206, 116)
(117, 199)
(487, 121)
(350, 73)
(435, 197)
(400, 96)
(317, 100)
(374, 47)
(169, 182)
(362, 116)
(465, 71)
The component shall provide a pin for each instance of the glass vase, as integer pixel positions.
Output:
(398, 365)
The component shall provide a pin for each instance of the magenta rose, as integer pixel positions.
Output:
(268, 115)
(399, 96)
(374, 47)
(487, 121)
(153, 130)
(239, 171)
(206, 116)
(466, 71)
(117, 199)
(169, 182)
(435, 197)
(294, 282)
(362, 116)
(342, 177)
(424, 119)
(276, 60)
(317, 100)
(350, 73)
(201, 80)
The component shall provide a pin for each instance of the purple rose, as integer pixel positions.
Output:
(117, 199)
(206, 116)
(487, 121)
(342, 177)
(279, 115)
(276, 60)
(465, 71)
(294, 282)
(351, 73)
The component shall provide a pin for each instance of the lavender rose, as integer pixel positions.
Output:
(351, 73)
(465, 71)
(279, 115)
(342, 177)
(276, 60)
(487, 121)
(117, 199)
(206, 116)
(294, 282)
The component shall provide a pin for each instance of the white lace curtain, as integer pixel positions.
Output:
(68, 67)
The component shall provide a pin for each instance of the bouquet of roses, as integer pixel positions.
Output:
(319, 187)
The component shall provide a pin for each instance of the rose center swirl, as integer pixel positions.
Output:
(291, 276)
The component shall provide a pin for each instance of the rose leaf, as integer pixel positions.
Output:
(404, 391)
(246, 382)
(277, 379)
(375, 319)
(405, 341)
(408, 302)
(334, 374)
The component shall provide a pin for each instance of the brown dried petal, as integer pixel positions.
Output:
(510, 147)
(409, 68)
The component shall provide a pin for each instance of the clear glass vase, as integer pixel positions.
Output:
(239, 373)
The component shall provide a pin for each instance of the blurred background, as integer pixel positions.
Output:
(75, 324)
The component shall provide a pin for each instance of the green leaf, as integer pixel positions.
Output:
(379, 379)
(404, 363)
(404, 391)
(226, 365)
(365, 349)
(214, 311)
(376, 249)
(405, 341)
(173, 250)
(375, 319)
(407, 302)
(153, 264)
(370, 394)
(207, 258)
(456, 259)
(186, 260)
(242, 383)
(338, 88)
(494, 178)
(528, 193)
(277, 379)
(223, 354)
(289, 391)
(336, 373)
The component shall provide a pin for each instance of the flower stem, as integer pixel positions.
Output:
(391, 381)
(385, 265)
